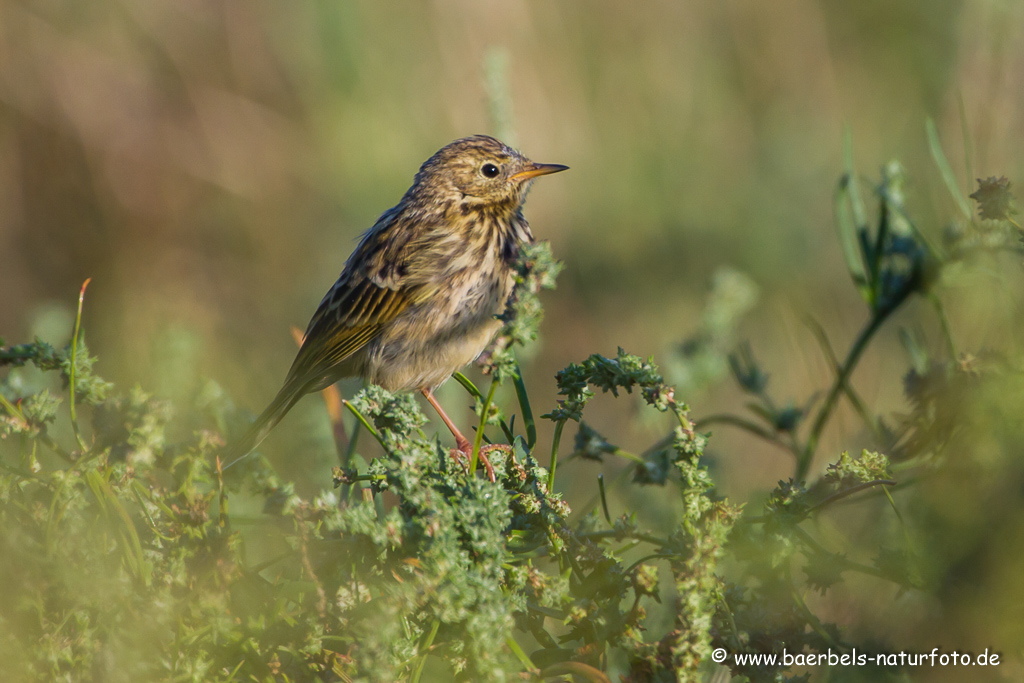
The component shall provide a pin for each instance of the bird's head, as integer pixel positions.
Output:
(480, 171)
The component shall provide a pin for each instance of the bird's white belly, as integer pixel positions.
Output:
(427, 343)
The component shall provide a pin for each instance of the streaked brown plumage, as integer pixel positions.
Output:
(418, 297)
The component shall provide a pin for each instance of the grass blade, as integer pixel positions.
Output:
(520, 654)
(604, 499)
(468, 385)
(945, 170)
(554, 454)
(965, 131)
(851, 219)
(130, 543)
(860, 212)
(479, 438)
(525, 408)
(575, 669)
(74, 362)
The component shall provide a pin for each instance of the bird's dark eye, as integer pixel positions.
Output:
(490, 170)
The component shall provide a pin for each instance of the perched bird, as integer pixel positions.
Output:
(419, 296)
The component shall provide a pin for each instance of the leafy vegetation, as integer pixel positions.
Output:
(132, 555)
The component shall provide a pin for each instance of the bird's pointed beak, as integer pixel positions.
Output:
(534, 170)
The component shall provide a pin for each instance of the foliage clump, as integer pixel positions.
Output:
(134, 555)
(413, 564)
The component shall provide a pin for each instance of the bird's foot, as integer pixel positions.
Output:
(504, 448)
(464, 449)
(462, 453)
(460, 457)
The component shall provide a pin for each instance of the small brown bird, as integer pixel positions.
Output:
(419, 296)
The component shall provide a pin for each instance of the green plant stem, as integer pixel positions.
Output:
(620, 476)
(366, 424)
(723, 605)
(424, 649)
(632, 457)
(965, 132)
(346, 458)
(855, 400)
(839, 495)
(471, 388)
(145, 512)
(584, 510)
(468, 385)
(812, 620)
(74, 363)
(549, 612)
(11, 408)
(17, 471)
(256, 569)
(525, 408)
(155, 500)
(842, 376)
(350, 448)
(520, 654)
(948, 177)
(9, 356)
(638, 535)
(223, 519)
(652, 556)
(235, 671)
(52, 444)
(947, 331)
(479, 437)
(903, 525)
(628, 456)
(575, 669)
(368, 477)
(744, 424)
(554, 454)
(879, 250)
(847, 564)
(604, 499)
(542, 636)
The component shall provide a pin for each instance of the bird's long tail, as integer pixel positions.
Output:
(286, 398)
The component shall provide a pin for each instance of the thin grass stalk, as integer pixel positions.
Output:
(74, 362)
(554, 454)
(479, 437)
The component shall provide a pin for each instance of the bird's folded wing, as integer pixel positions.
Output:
(351, 315)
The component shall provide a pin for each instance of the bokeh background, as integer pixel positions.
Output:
(210, 165)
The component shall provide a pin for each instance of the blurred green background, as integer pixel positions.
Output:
(210, 165)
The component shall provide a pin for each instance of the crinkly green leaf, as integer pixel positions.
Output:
(848, 471)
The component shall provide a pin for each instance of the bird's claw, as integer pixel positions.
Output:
(464, 449)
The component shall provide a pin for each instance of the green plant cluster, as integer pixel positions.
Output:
(131, 566)
(133, 556)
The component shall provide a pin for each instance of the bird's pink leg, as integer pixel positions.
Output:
(461, 442)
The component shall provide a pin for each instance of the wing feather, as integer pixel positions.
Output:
(343, 325)
(387, 273)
